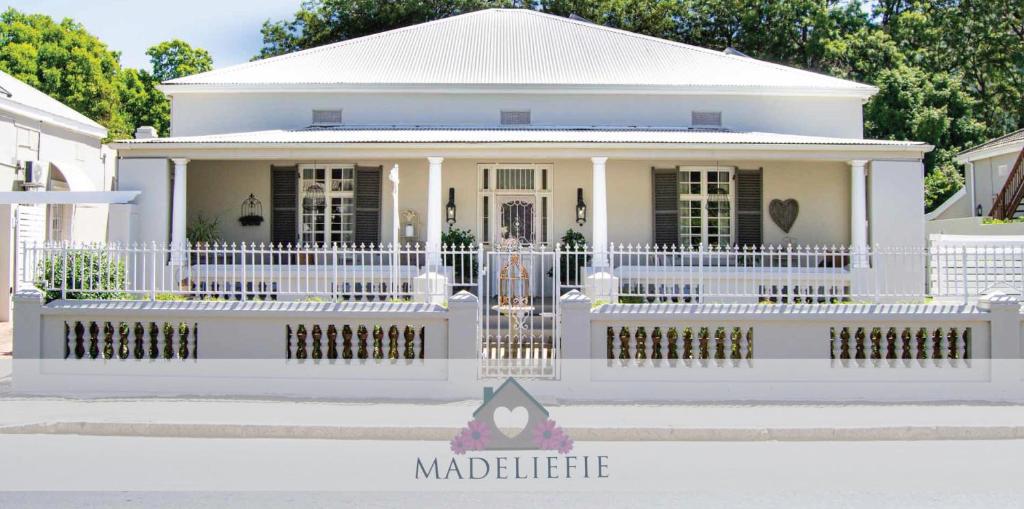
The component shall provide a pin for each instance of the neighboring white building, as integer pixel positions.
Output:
(987, 169)
(46, 147)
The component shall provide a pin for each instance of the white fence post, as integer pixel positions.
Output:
(576, 351)
(463, 340)
(1005, 336)
(28, 337)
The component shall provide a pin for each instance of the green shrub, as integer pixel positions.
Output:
(464, 265)
(571, 261)
(85, 274)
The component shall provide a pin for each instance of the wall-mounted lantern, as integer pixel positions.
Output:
(581, 207)
(449, 210)
(252, 212)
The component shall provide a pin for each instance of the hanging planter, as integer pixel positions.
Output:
(252, 212)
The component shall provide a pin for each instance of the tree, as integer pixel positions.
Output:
(141, 102)
(74, 67)
(176, 58)
(62, 60)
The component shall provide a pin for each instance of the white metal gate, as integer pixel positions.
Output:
(519, 331)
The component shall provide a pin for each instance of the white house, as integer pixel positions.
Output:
(46, 149)
(519, 119)
(989, 189)
(753, 204)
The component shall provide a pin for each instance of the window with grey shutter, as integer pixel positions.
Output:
(665, 186)
(284, 200)
(367, 201)
(749, 207)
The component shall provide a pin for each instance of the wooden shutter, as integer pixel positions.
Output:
(749, 207)
(367, 202)
(665, 200)
(284, 204)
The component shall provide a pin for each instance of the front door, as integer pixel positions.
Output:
(516, 220)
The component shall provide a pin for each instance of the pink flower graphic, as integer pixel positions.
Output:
(476, 435)
(458, 445)
(547, 434)
(565, 444)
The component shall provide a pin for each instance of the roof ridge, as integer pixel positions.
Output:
(316, 49)
(994, 141)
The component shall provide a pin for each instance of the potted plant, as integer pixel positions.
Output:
(202, 233)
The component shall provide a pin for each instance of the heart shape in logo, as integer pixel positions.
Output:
(511, 422)
(784, 213)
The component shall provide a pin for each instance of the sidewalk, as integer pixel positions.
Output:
(233, 418)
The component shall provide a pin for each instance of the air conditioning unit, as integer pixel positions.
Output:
(35, 173)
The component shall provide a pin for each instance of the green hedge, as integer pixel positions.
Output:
(103, 277)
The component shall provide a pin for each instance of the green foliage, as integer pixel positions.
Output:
(75, 67)
(571, 261)
(464, 266)
(62, 60)
(940, 184)
(101, 276)
(171, 297)
(203, 230)
(176, 58)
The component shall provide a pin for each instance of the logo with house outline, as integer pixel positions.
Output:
(511, 419)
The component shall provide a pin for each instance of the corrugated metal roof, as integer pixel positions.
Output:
(518, 47)
(1007, 139)
(25, 99)
(523, 135)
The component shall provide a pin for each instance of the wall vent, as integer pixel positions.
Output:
(326, 117)
(515, 117)
(706, 119)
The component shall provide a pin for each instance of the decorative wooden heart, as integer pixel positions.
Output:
(784, 213)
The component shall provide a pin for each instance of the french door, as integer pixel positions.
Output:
(705, 206)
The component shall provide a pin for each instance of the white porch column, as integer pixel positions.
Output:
(178, 212)
(600, 214)
(858, 212)
(434, 212)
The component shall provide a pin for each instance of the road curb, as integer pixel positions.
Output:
(753, 434)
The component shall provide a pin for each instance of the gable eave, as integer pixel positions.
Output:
(862, 93)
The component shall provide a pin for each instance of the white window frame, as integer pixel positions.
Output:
(494, 195)
(703, 198)
(346, 237)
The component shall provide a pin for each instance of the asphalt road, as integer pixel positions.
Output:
(184, 472)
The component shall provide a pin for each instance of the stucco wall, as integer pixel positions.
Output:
(217, 189)
(196, 113)
(896, 204)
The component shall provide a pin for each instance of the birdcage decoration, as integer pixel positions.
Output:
(313, 196)
(514, 283)
(252, 211)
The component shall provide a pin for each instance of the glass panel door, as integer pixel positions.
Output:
(516, 216)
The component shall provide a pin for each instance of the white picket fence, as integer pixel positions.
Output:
(246, 271)
(966, 266)
(950, 268)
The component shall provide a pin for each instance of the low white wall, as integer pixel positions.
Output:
(972, 226)
(819, 353)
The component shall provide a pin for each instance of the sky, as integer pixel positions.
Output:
(228, 29)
